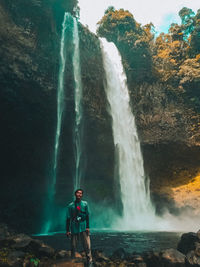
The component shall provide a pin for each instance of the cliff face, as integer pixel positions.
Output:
(170, 138)
(97, 161)
(30, 44)
(29, 63)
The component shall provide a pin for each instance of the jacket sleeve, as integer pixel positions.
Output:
(87, 217)
(87, 221)
(68, 219)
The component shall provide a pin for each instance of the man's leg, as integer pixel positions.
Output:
(74, 240)
(85, 239)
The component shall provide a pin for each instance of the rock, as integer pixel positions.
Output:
(16, 254)
(11, 263)
(141, 264)
(198, 234)
(187, 242)
(71, 263)
(20, 241)
(172, 257)
(119, 254)
(78, 255)
(34, 245)
(4, 231)
(63, 254)
(39, 249)
(46, 251)
(6, 236)
(137, 260)
(197, 249)
(152, 259)
(99, 256)
(192, 259)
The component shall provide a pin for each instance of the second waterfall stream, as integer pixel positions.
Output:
(138, 212)
(78, 106)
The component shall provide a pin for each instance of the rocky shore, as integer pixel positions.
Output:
(18, 250)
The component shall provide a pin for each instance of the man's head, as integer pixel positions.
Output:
(78, 194)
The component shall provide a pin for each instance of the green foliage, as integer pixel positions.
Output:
(109, 9)
(115, 23)
(4, 255)
(190, 70)
(171, 58)
(133, 41)
(186, 14)
(35, 261)
(176, 32)
(195, 35)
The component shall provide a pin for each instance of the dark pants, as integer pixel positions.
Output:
(85, 240)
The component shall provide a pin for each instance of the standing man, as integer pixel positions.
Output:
(77, 225)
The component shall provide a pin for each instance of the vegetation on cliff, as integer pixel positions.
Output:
(172, 58)
(163, 74)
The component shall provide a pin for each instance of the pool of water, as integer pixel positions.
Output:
(132, 242)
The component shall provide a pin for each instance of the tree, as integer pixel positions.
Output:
(176, 32)
(195, 35)
(169, 52)
(187, 15)
(115, 23)
(109, 9)
(133, 41)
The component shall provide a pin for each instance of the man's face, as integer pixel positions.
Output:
(79, 195)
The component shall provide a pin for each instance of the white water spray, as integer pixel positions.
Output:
(138, 212)
(78, 105)
(137, 207)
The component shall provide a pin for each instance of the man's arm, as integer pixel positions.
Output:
(68, 221)
(87, 220)
(67, 225)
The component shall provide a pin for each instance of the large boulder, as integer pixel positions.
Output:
(5, 231)
(165, 258)
(187, 242)
(120, 254)
(192, 259)
(172, 257)
(20, 241)
(99, 256)
(152, 259)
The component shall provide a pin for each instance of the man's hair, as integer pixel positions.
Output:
(78, 190)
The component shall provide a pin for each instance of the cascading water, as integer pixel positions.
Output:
(56, 214)
(50, 207)
(78, 106)
(138, 211)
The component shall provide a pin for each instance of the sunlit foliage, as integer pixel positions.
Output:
(133, 41)
(172, 58)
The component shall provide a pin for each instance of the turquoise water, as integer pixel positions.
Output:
(108, 242)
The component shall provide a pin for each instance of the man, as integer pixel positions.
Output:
(77, 225)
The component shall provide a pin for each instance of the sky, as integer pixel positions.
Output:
(160, 12)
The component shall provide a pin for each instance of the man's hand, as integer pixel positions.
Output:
(87, 231)
(68, 234)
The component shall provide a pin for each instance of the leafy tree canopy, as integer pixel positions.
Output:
(171, 58)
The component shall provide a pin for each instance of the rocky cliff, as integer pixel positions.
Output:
(30, 35)
(169, 132)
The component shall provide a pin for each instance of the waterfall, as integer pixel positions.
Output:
(54, 213)
(138, 212)
(78, 106)
(50, 208)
